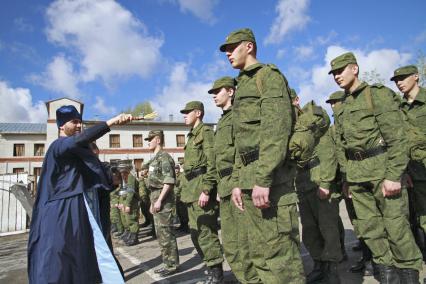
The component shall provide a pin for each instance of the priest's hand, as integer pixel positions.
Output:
(120, 119)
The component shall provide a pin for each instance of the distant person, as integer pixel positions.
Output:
(66, 244)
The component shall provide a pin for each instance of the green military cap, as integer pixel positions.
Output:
(238, 36)
(193, 105)
(222, 82)
(405, 70)
(153, 133)
(336, 96)
(342, 61)
(293, 94)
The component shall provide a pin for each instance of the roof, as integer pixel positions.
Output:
(23, 128)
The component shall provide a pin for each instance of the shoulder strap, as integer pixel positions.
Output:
(369, 99)
(259, 79)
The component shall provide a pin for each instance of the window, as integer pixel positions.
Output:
(138, 164)
(18, 150)
(18, 170)
(137, 141)
(37, 171)
(180, 140)
(38, 149)
(114, 140)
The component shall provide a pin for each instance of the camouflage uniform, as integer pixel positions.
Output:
(115, 211)
(235, 243)
(199, 158)
(144, 204)
(130, 199)
(370, 132)
(162, 171)
(317, 166)
(181, 209)
(263, 118)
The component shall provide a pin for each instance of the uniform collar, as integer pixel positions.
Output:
(251, 69)
(226, 111)
(358, 90)
(421, 97)
(196, 130)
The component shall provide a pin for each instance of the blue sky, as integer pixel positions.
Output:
(113, 54)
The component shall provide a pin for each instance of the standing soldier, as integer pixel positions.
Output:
(199, 193)
(160, 182)
(414, 106)
(117, 228)
(263, 174)
(234, 247)
(181, 210)
(370, 130)
(129, 203)
(145, 203)
(336, 100)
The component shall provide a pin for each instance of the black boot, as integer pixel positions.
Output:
(114, 228)
(358, 266)
(388, 274)
(331, 273)
(369, 268)
(132, 240)
(117, 234)
(317, 272)
(409, 276)
(214, 274)
(124, 236)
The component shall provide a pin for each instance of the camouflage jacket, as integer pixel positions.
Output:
(132, 195)
(199, 153)
(224, 152)
(366, 123)
(143, 189)
(416, 116)
(161, 170)
(263, 119)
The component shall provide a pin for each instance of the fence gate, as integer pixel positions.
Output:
(13, 218)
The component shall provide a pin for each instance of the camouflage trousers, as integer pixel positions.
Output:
(273, 241)
(235, 242)
(130, 220)
(204, 231)
(321, 231)
(419, 197)
(116, 219)
(382, 223)
(164, 229)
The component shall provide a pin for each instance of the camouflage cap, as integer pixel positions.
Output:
(405, 70)
(238, 36)
(336, 96)
(222, 82)
(293, 94)
(342, 61)
(193, 105)
(153, 133)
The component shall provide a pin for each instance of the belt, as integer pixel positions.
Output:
(312, 163)
(249, 156)
(362, 155)
(195, 173)
(225, 172)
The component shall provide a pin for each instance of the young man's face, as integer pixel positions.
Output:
(345, 76)
(222, 96)
(71, 127)
(237, 54)
(153, 143)
(191, 117)
(406, 83)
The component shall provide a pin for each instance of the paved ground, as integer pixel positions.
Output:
(140, 261)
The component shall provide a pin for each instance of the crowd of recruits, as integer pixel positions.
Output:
(268, 155)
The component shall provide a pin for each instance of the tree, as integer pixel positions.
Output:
(142, 108)
(372, 77)
(421, 65)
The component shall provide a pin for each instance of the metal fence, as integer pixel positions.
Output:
(13, 218)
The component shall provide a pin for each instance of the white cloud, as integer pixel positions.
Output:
(59, 77)
(103, 109)
(304, 52)
(320, 85)
(109, 40)
(291, 16)
(180, 90)
(202, 9)
(420, 38)
(22, 25)
(18, 106)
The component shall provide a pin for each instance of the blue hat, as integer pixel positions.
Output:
(65, 114)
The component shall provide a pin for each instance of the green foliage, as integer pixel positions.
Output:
(140, 109)
(421, 65)
(372, 77)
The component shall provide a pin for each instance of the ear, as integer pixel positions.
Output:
(355, 69)
(198, 113)
(249, 46)
(231, 92)
(416, 77)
